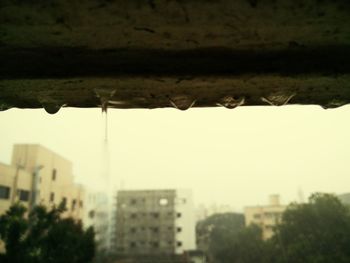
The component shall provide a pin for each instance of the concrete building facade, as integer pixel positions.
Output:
(154, 222)
(266, 216)
(37, 175)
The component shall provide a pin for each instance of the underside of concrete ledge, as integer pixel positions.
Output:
(173, 53)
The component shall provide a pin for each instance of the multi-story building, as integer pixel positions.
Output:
(266, 216)
(39, 176)
(155, 222)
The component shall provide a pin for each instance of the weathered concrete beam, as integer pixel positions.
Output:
(161, 53)
(58, 62)
(153, 92)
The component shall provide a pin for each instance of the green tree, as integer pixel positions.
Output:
(44, 236)
(13, 227)
(316, 232)
(217, 230)
(245, 246)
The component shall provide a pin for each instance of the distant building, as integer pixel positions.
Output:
(39, 176)
(157, 222)
(203, 211)
(266, 216)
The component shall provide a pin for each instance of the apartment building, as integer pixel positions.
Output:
(155, 222)
(266, 216)
(37, 175)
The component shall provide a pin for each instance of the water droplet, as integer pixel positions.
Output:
(4, 107)
(333, 104)
(182, 102)
(105, 96)
(278, 98)
(52, 108)
(230, 102)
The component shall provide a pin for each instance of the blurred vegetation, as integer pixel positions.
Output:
(314, 232)
(44, 236)
(214, 232)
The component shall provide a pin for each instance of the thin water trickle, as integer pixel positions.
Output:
(106, 126)
(108, 187)
(105, 153)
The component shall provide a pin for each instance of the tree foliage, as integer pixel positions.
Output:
(215, 232)
(315, 232)
(244, 247)
(43, 236)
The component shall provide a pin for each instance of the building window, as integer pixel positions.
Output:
(154, 244)
(170, 228)
(154, 229)
(179, 229)
(64, 201)
(4, 192)
(52, 197)
(133, 230)
(132, 244)
(179, 243)
(74, 202)
(178, 215)
(23, 195)
(133, 215)
(155, 215)
(54, 173)
(92, 214)
(81, 203)
(133, 201)
(163, 202)
(257, 216)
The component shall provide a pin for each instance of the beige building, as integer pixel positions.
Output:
(39, 176)
(266, 216)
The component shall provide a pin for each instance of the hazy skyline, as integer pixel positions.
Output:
(236, 157)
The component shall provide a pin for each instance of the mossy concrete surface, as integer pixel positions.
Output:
(163, 53)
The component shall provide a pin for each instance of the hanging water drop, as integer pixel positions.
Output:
(51, 108)
(334, 103)
(4, 107)
(182, 102)
(278, 98)
(105, 96)
(230, 102)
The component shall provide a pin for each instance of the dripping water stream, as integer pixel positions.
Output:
(105, 154)
(106, 188)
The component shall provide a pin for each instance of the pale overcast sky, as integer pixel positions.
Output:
(236, 157)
